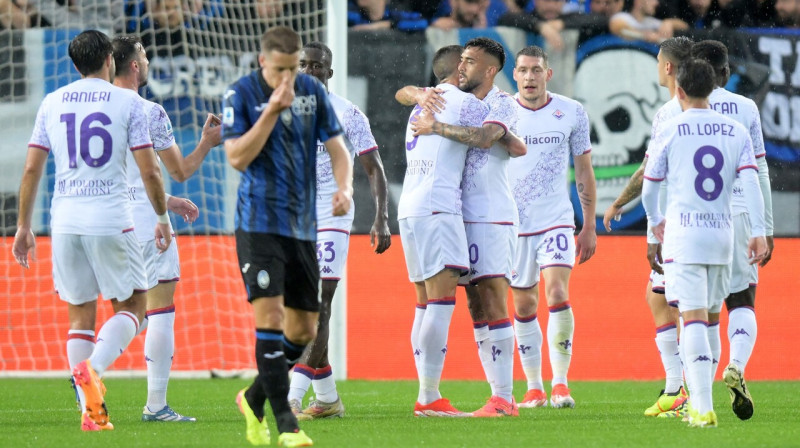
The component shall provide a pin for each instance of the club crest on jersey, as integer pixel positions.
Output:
(558, 114)
(227, 116)
(263, 279)
(286, 117)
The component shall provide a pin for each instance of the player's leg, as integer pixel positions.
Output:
(480, 329)
(560, 330)
(666, 320)
(525, 291)
(742, 326)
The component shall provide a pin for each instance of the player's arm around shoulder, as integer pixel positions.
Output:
(429, 98)
(242, 150)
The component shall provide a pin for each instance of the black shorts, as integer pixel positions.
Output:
(274, 265)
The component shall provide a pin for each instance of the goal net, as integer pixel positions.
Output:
(196, 49)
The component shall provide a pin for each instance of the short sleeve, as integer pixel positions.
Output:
(579, 140)
(327, 124)
(358, 131)
(473, 112)
(235, 121)
(138, 130)
(39, 138)
(160, 128)
(502, 111)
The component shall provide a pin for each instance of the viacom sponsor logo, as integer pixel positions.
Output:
(545, 138)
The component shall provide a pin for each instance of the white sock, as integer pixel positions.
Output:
(433, 345)
(481, 332)
(301, 381)
(680, 345)
(419, 314)
(560, 328)
(697, 355)
(529, 347)
(501, 340)
(80, 344)
(112, 339)
(667, 343)
(159, 347)
(324, 385)
(742, 333)
(143, 325)
(716, 347)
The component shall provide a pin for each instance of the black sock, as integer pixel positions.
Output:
(293, 351)
(273, 376)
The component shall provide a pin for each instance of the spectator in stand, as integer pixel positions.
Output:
(366, 15)
(700, 14)
(17, 15)
(760, 13)
(464, 14)
(548, 20)
(77, 14)
(787, 13)
(636, 22)
(165, 37)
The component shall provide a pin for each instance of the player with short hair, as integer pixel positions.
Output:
(672, 53)
(432, 229)
(742, 326)
(700, 153)
(89, 126)
(163, 269)
(490, 215)
(553, 128)
(333, 238)
(272, 120)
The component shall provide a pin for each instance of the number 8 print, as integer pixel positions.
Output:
(712, 173)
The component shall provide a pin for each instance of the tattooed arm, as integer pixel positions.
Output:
(587, 193)
(631, 191)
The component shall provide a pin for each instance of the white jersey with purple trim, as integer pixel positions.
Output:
(670, 109)
(90, 125)
(434, 164)
(552, 133)
(486, 190)
(744, 111)
(359, 141)
(700, 152)
(144, 217)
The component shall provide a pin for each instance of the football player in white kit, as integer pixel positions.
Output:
(432, 229)
(90, 126)
(163, 269)
(490, 215)
(742, 327)
(700, 153)
(554, 128)
(671, 54)
(333, 238)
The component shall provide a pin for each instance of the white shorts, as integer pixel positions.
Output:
(161, 267)
(433, 243)
(697, 286)
(87, 265)
(553, 248)
(332, 248)
(743, 274)
(491, 251)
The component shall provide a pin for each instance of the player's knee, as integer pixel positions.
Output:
(557, 294)
(745, 298)
(525, 304)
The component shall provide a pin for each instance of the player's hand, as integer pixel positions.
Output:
(658, 230)
(431, 99)
(183, 207)
(24, 242)
(585, 244)
(380, 233)
(612, 212)
(163, 236)
(282, 96)
(341, 202)
(757, 249)
(423, 124)
(212, 131)
(770, 249)
(654, 257)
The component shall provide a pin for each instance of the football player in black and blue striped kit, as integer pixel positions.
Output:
(272, 119)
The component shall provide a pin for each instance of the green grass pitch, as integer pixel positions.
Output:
(42, 413)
